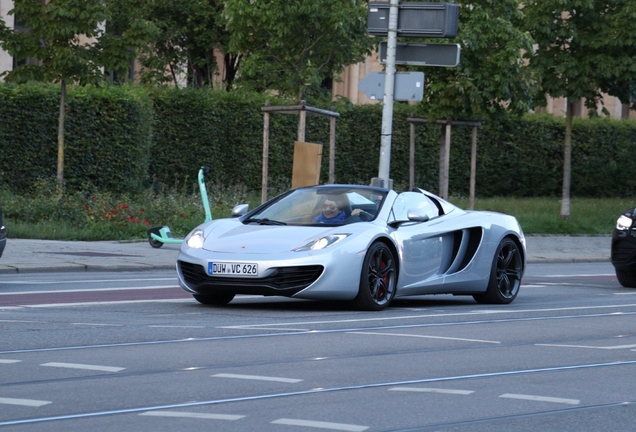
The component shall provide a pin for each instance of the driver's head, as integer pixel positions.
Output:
(331, 207)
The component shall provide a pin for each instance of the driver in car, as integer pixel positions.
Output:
(331, 212)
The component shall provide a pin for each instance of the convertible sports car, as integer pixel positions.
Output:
(362, 244)
(623, 254)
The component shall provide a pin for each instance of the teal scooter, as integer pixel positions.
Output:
(159, 236)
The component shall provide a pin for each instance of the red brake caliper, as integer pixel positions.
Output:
(385, 279)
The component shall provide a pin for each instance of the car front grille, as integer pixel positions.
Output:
(284, 281)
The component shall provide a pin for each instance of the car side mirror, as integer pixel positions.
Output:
(417, 215)
(240, 210)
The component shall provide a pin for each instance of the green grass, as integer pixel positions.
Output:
(49, 215)
(588, 216)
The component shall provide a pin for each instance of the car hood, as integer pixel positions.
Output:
(234, 237)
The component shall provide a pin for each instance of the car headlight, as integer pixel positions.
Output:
(195, 239)
(322, 242)
(624, 223)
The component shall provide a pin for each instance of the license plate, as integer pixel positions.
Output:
(232, 269)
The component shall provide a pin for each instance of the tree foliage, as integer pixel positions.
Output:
(64, 42)
(491, 78)
(292, 46)
(584, 48)
(188, 32)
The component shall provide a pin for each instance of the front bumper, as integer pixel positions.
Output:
(623, 255)
(333, 275)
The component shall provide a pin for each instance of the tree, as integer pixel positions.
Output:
(188, 33)
(491, 79)
(584, 48)
(64, 43)
(293, 46)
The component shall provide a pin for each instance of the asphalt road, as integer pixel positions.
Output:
(561, 357)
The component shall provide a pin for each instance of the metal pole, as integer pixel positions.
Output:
(389, 83)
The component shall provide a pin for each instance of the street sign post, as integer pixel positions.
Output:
(393, 19)
(409, 86)
(421, 20)
(423, 54)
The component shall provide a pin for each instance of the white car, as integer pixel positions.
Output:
(380, 245)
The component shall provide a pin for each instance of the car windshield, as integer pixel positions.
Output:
(336, 205)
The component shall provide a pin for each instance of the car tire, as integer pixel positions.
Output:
(626, 278)
(378, 279)
(219, 299)
(505, 275)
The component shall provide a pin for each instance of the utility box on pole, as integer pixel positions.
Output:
(420, 20)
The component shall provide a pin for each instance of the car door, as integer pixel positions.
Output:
(423, 245)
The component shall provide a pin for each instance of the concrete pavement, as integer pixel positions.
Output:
(27, 256)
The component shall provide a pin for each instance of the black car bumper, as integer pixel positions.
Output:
(623, 255)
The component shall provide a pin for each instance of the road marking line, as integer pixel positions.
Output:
(95, 414)
(258, 377)
(321, 425)
(541, 398)
(589, 346)
(174, 326)
(91, 290)
(84, 366)
(9, 361)
(424, 336)
(534, 286)
(99, 324)
(30, 282)
(432, 390)
(23, 402)
(192, 415)
(104, 303)
(578, 275)
(20, 321)
(431, 315)
(248, 327)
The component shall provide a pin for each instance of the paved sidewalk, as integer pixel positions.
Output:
(24, 256)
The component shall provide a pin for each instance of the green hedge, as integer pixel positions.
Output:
(108, 133)
(122, 139)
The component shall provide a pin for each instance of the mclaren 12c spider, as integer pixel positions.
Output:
(362, 244)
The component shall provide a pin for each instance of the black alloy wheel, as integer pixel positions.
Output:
(505, 275)
(378, 280)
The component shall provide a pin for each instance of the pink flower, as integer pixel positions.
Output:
(146, 223)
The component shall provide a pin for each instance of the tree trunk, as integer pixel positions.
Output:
(60, 135)
(567, 164)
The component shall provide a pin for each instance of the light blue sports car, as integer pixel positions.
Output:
(362, 244)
